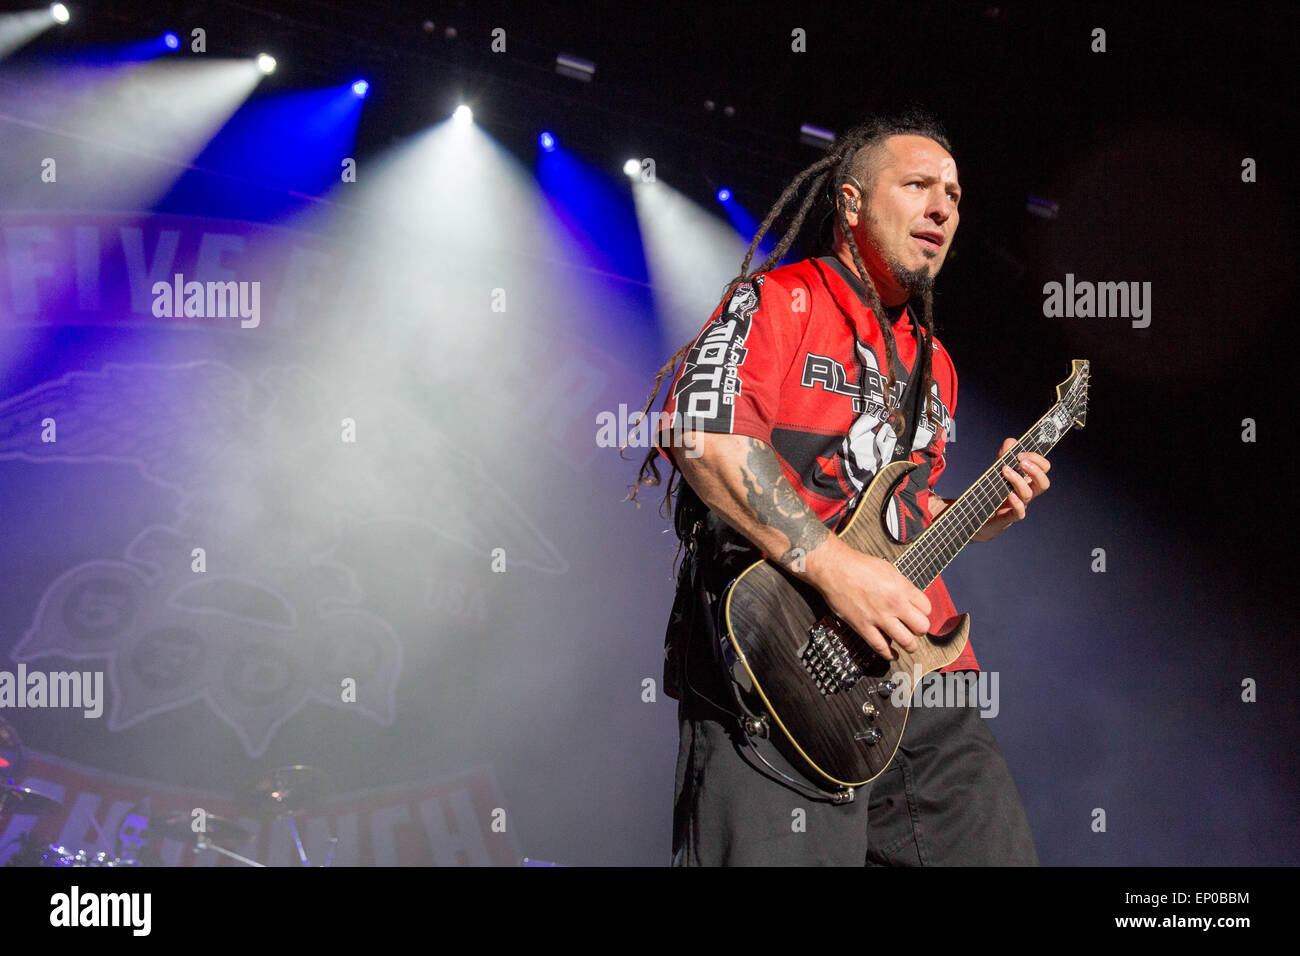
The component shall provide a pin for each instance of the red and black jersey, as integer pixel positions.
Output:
(795, 358)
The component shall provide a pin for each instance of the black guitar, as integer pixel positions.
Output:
(830, 697)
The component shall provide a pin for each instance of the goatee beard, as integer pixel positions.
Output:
(915, 282)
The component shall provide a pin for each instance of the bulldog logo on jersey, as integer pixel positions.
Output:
(870, 443)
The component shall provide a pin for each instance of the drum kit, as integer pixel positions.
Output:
(283, 793)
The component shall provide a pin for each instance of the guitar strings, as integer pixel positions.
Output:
(966, 511)
(935, 542)
(969, 513)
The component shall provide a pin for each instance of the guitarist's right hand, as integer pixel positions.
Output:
(740, 478)
(870, 595)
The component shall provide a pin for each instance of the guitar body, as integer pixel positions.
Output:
(847, 735)
(833, 707)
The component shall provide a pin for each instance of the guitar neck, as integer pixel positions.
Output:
(935, 547)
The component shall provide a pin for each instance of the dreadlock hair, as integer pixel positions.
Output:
(852, 158)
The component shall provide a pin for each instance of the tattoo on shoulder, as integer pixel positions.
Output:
(776, 504)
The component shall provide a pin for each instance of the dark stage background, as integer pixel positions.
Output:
(478, 308)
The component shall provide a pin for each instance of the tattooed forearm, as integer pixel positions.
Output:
(740, 479)
(776, 504)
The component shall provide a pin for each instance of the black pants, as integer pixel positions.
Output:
(947, 798)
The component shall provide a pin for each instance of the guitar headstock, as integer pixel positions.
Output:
(1072, 394)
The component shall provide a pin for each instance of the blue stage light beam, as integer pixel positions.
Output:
(275, 147)
(746, 225)
(149, 49)
(596, 210)
(135, 51)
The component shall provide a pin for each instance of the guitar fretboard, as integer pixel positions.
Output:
(935, 547)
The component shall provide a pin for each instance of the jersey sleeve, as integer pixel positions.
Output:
(731, 378)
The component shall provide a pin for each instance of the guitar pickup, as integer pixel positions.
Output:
(828, 660)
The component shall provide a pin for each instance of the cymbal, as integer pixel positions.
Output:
(283, 792)
(179, 826)
(12, 757)
(14, 799)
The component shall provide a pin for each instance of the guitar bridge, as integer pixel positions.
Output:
(828, 660)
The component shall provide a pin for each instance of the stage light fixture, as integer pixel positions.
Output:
(811, 135)
(547, 142)
(1042, 208)
(266, 63)
(171, 41)
(361, 88)
(632, 168)
(463, 115)
(724, 195)
(574, 67)
(60, 13)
